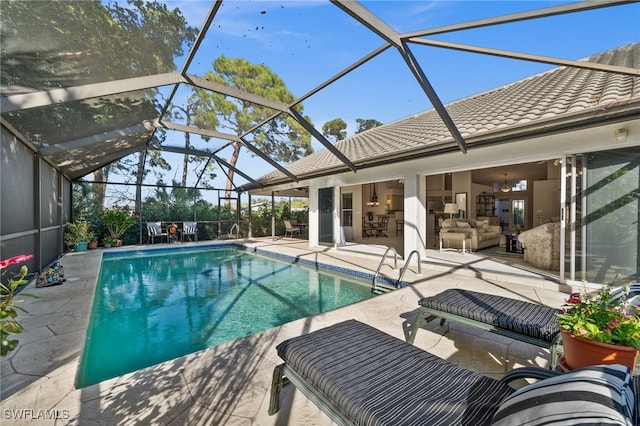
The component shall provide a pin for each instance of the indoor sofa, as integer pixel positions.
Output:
(481, 234)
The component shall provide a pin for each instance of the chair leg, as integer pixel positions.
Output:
(554, 351)
(417, 323)
(278, 382)
(421, 320)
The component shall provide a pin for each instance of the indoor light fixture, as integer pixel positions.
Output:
(451, 208)
(373, 202)
(505, 186)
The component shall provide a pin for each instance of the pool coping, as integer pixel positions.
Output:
(268, 253)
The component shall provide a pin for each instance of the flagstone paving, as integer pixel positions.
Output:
(229, 384)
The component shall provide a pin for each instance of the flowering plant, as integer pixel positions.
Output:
(8, 323)
(605, 317)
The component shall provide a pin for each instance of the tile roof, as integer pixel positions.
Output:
(559, 96)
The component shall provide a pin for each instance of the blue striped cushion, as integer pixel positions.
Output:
(530, 319)
(377, 379)
(600, 395)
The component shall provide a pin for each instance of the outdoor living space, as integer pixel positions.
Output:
(196, 131)
(230, 383)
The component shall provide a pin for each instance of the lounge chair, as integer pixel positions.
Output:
(154, 230)
(528, 322)
(359, 375)
(189, 229)
(289, 228)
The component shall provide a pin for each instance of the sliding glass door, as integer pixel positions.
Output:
(601, 216)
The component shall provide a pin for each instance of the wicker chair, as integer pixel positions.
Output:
(290, 229)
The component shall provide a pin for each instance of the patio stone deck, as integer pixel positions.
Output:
(229, 384)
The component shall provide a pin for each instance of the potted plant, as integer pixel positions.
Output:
(93, 244)
(117, 220)
(78, 235)
(107, 242)
(599, 329)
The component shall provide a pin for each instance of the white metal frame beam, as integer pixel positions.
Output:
(143, 127)
(373, 23)
(199, 153)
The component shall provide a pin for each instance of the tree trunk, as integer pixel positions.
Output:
(100, 189)
(185, 163)
(234, 160)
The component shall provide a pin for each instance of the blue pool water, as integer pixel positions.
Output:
(151, 307)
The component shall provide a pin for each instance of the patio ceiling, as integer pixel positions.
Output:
(141, 104)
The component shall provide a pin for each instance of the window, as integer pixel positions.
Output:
(517, 207)
(520, 185)
(347, 209)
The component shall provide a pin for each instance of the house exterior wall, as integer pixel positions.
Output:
(413, 172)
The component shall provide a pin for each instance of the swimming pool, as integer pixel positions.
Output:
(154, 306)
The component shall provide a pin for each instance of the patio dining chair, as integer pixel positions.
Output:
(290, 229)
(383, 224)
(189, 229)
(154, 230)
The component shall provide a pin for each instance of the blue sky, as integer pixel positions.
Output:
(307, 42)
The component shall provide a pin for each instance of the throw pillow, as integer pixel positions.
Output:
(601, 394)
(482, 224)
(462, 224)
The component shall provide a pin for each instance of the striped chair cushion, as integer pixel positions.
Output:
(190, 229)
(601, 395)
(377, 379)
(154, 230)
(525, 318)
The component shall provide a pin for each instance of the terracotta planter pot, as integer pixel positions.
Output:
(580, 352)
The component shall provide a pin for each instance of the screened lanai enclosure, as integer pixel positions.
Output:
(174, 110)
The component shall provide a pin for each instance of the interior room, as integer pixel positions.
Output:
(515, 198)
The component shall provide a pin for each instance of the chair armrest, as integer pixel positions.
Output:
(529, 373)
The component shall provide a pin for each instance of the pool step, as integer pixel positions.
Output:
(382, 288)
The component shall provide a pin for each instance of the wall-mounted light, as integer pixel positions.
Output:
(621, 135)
